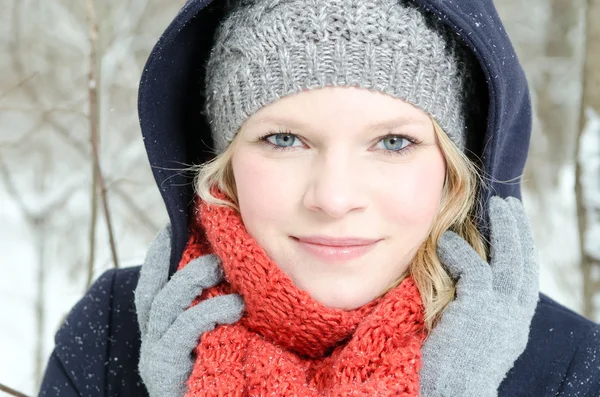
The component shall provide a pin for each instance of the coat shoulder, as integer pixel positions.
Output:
(562, 357)
(97, 347)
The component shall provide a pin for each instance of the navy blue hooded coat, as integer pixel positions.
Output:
(97, 347)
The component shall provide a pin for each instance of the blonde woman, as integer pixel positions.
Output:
(353, 226)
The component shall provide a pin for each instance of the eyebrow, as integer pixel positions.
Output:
(392, 123)
(281, 121)
(385, 125)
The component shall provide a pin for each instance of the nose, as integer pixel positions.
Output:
(336, 187)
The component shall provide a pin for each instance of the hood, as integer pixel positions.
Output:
(176, 134)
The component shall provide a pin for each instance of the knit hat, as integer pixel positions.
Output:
(267, 49)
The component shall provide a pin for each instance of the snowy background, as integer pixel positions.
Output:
(69, 71)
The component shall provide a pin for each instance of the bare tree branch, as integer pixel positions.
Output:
(11, 392)
(40, 310)
(42, 110)
(93, 116)
(37, 219)
(64, 132)
(18, 85)
(92, 232)
(50, 97)
(125, 198)
(13, 192)
(22, 139)
(42, 208)
(590, 98)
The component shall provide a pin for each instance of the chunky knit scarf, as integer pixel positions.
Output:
(287, 344)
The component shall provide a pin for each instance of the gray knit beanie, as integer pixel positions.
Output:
(267, 49)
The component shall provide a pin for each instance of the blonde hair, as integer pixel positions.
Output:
(457, 212)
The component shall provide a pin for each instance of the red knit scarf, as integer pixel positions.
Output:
(287, 344)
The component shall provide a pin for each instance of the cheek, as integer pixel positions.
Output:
(266, 191)
(414, 197)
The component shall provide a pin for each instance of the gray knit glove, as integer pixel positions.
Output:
(486, 328)
(170, 331)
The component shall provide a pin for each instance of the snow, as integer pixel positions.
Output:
(558, 252)
(63, 289)
(17, 326)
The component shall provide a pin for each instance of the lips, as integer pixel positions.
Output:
(335, 249)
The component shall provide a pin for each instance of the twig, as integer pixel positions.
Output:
(126, 199)
(92, 232)
(11, 392)
(34, 221)
(94, 134)
(47, 206)
(18, 85)
(12, 191)
(37, 221)
(40, 312)
(24, 138)
(42, 110)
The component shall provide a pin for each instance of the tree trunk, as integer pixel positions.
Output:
(586, 208)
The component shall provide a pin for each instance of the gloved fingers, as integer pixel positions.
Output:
(165, 364)
(153, 275)
(185, 332)
(464, 264)
(506, 257)
(529, 294)
(165, 371)
(179, 293)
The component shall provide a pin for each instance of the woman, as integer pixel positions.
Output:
(340, 242)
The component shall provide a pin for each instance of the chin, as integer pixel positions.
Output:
(344, 298)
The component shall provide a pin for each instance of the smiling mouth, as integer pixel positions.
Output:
(335, 249)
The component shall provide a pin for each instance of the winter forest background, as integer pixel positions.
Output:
(71, 152)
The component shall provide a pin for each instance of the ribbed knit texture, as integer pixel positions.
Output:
(288, 344)
(268, 49)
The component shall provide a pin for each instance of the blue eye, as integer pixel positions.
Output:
(283, 140)
(393, 142)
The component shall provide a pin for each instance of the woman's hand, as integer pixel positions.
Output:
(169, 330)
(485, 329)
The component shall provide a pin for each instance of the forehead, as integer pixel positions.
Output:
(341, 107)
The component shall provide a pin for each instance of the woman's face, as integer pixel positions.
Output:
(340, 186)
